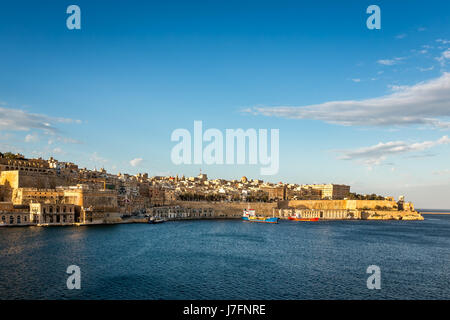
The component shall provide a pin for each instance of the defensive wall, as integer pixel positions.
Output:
(323, 209)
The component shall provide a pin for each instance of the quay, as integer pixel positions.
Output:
(38, 192)
(195, 210)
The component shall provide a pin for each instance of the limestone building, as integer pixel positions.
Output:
(330, 191)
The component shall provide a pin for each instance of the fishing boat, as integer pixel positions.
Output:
(298, 217)
(250, 215)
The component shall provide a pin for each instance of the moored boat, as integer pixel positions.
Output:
(153, 220)
(303, 219)
(249, 215)
(298, 217)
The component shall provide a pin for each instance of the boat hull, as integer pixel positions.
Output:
(155, 221)
(261, 219)
(303, 219)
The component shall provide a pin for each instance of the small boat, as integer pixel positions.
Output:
(153, 220)
(298, 217)
(249, 215)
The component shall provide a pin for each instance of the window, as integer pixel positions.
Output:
(24, 218)
(18, 219)
(11, 219)
(3, 218)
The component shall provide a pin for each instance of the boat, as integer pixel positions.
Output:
(250, 215)
(298, 217)
(153, 220)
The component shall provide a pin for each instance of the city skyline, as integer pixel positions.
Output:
(366, 108)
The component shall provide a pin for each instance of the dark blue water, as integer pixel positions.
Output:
(229, 260)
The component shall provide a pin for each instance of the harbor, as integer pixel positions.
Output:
(218, 259)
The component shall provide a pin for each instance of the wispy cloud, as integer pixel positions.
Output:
(136, 162)
(54, 139)
(442, 172)
(426, 103)
(386, 62)
(58, 151)
(97, 160)
(19, 120)
(33, 137)
(390, 62)
(400, 36)
(375, 155)
(443, 41)
(444, 57)
(425, 69)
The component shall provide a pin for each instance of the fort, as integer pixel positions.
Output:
(48, 192)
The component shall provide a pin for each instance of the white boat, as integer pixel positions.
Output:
(153, 220)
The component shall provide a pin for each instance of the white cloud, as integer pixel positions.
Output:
(442, 172)
(31, 137)
(19, 120)
(400, 36)
(386, 62)
(390, 62)
(443, 41)
(443, 57)
(356, 80)
(375, 155)
(426, 103)
(97, 159)
(446, 54)
(135, 162)
(63, 140)
(58, 151)
(425, 69)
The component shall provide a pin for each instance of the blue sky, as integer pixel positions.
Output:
(115, 90)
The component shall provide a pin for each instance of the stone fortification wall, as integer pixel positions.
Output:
(340, 204)
(24, 179)
(229, 209)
